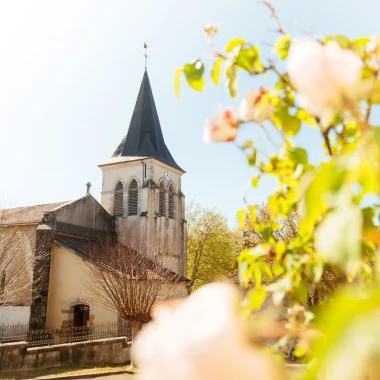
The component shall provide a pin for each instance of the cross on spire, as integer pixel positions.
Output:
(146, 53)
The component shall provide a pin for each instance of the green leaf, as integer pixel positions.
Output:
(233, 43)
(215, 71)
(232, 77)
(350, 321)
(266, 270)
(177, 82)
(265, 233)
(194, 74)
(255, 181)
(301, 349)
(252, 158)
(376, 135)
(278, 269)
(360, 42)
(302, 293)
(298, 155)
(257, 276)
(288, 123)
(315, 188)
(257, 297)
(338, 238)
(241, 218)
(343, 41)
(247, 58)
(306, 117)
(282, 46)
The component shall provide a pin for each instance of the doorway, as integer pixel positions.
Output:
(81, 315)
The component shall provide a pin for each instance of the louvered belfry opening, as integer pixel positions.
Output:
(133, 197)
(118, 200)
(162, 199)
(171, 201)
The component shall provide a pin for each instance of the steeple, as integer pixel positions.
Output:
(144, 137)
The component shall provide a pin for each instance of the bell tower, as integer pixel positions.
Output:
(142, 189)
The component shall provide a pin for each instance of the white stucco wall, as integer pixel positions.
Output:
(14, 314)
(67, 287)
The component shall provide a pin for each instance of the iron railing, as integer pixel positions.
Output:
(20, 332)
(13, 332)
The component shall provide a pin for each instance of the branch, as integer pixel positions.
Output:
(325, 135)
(368, 112)
(273, 13)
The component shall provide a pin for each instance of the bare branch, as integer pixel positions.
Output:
(273, 13)
(121, 279)
(17, 258)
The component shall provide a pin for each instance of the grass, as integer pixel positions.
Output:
(68, 370)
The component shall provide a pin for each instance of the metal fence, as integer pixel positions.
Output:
(20, 332)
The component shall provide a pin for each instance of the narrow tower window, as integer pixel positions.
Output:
(162, 199)
(133, 198)
(118, 200)
(171, 201)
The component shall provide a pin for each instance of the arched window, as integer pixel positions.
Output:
(171, 201)
(118, 200)
(133, 198)
(162, 199)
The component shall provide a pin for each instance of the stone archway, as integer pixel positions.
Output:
(78, 312)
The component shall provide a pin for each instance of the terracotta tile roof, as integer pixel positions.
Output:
(28, 214)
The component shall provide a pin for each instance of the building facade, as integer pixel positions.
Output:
(142, 206)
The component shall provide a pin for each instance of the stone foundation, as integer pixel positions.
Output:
(18, 357)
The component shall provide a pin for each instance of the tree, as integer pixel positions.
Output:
(212, 247)
(287, 231)
(17, 259)
(121, 279)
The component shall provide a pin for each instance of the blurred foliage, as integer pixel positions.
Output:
(321, 224)
(212, 246)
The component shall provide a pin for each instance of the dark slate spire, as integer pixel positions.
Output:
(144, 138)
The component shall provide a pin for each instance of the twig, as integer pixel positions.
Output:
(273, 13)
(368, 112)
(325, 135)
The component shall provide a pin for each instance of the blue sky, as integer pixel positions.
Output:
(70, 73)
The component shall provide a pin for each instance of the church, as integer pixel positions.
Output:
(142, 204)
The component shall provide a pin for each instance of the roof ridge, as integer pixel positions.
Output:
(30, 206)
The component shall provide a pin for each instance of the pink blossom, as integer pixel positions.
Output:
(222, 127)
(256, 107)
(325, 75)
(201, 338)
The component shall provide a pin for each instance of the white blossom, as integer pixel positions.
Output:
(201, 339)
(326, 76)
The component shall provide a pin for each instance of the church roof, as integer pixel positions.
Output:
(27, 214)
(85, 247)
(144, 137)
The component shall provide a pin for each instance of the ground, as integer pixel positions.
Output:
(75, 370)
(71, 370)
